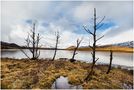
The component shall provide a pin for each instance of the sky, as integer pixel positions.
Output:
(67, 17)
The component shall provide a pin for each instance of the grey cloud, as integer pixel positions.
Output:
(63, 16)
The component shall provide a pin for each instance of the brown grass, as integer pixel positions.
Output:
(107, 49)
(40, 74)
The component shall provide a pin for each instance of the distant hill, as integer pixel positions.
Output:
(5, 45)
(71, 47)
(126, 44)
(119, 47)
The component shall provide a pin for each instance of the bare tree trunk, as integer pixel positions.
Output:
(56, 45)
(110, 64)
(93, 47)
(94, 42)
(55, 51)
(32, 42)
(74, 53)
(91, 71)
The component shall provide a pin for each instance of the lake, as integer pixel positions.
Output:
(119, 58)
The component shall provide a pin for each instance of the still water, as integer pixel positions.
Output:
(125, 59)
(62, 83)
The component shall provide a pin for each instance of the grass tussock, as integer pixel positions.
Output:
(41, 74)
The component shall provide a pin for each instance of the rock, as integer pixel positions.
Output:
(63, 58)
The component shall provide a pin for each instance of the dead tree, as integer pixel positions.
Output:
(75, 49)
(32, 43)
(96, 26)
(110, 64)
(56, 44)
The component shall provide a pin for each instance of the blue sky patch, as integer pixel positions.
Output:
(79, 29)
(106, 25)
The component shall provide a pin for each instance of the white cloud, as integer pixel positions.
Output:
(82, 12)
(63, 16)
(122, 37)
(18, 32)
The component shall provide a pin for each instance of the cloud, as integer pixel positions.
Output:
(122, 37)
(119, 13)
(68, 18)
(82, 12)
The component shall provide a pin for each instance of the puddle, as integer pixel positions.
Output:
(62, 83)
(127, 86)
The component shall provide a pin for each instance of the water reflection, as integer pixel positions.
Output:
(62, 83)
(125, 59)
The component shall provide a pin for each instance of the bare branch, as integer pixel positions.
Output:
(99, 38)
(30, 49)
(100, 21)
(32, 43)
(87, 30)
(91, 53)
(99, 26)
(90, 46)
(96, 60)
(25, 53)
(79, 41)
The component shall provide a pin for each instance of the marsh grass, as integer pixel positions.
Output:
(41, 74)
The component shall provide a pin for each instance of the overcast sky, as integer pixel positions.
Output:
(68, 18)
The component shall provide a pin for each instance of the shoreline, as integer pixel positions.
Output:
(67, 59)
(88, 50)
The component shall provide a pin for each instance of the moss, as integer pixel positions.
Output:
(41, 74)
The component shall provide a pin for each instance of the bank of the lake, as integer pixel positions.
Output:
(23, 73)
(119, 58)
(106, 49)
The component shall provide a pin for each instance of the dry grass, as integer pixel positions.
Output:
(113, 48)
(116, 49)
(40, 74)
